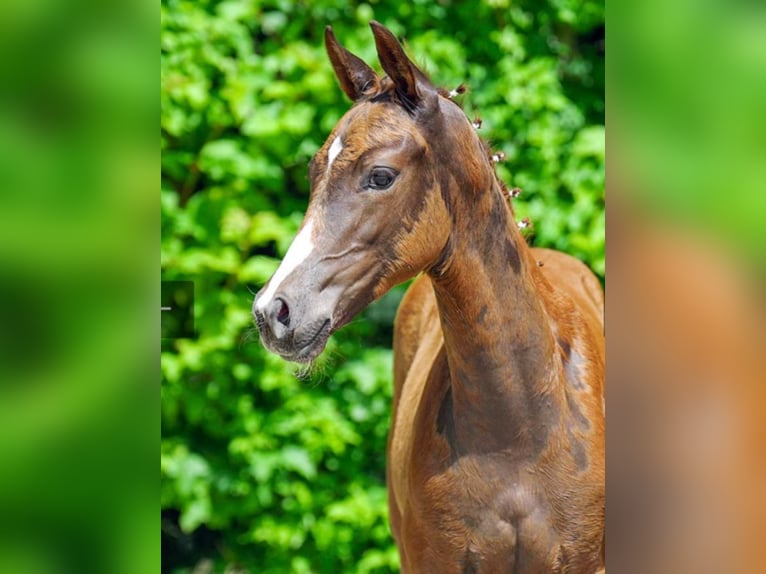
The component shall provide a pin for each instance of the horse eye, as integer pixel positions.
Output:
(380, 178)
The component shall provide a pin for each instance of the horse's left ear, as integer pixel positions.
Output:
(409, 81)
(354, 75)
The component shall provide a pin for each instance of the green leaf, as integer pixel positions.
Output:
(297, 459)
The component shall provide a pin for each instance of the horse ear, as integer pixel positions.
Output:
(354, 75)
(397, 65)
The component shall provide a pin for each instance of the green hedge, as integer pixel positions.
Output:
(264, 471)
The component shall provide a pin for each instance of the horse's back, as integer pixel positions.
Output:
(417, 341)
(571, 276)
(417, 312)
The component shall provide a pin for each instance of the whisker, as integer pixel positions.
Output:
(248, 336)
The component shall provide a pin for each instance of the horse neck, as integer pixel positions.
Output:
(497, 336)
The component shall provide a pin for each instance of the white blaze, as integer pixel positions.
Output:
(335, 149)
(300, 248)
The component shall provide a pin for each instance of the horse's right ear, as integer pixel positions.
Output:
(354, 75)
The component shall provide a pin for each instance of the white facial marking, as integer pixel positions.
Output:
(300, 248)
(335, 149)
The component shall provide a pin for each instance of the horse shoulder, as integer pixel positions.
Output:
(578, 304)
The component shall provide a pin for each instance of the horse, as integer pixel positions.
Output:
(496, 448)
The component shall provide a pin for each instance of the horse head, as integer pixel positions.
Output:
(383, 199)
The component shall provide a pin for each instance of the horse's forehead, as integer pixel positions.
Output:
(373, 121)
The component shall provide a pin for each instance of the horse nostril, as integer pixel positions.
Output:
(283, 313)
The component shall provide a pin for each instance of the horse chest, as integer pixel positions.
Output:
(479, 516)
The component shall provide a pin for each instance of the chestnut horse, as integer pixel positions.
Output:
(496, 449)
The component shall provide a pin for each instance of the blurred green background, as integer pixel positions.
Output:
(265, 469)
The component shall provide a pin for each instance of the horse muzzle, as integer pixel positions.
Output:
(287, 331)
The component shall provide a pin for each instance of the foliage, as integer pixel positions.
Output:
(262, 470)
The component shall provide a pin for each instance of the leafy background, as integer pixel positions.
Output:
(263, 470)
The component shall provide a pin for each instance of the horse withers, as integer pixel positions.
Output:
(496, 449)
